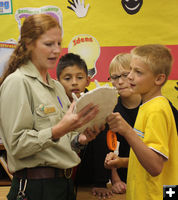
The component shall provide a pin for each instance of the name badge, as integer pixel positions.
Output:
(48, 110)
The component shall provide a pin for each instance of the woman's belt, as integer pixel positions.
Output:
(43, 173)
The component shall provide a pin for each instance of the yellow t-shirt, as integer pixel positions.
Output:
(155, 124)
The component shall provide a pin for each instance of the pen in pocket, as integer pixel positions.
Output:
(59, 101)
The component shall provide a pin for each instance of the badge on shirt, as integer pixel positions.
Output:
(47, 109)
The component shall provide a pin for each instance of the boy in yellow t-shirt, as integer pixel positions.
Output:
(154, 142)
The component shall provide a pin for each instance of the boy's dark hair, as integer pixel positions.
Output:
(70, 59)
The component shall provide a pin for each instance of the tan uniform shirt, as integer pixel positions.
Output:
(29, 108)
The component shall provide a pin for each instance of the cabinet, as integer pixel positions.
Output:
(5, 176)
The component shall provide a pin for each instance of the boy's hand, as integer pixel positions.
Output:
(113, 161)
(102, 193)
(110, 160)
(119, 187)
(118, 124)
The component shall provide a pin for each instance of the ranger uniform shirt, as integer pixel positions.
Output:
(29, 108)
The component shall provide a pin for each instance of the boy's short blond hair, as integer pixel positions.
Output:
(119, 62)
(157, 57)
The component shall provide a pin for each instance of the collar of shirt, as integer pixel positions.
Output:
(30, 70)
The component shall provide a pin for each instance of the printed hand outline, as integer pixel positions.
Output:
(78, 7)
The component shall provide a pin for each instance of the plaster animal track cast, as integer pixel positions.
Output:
(103, 96)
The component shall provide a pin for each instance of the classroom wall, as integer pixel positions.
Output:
(98, 30)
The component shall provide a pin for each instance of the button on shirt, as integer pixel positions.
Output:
(29, 108)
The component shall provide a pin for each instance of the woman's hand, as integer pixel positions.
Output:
(72, 121)
(89, 134)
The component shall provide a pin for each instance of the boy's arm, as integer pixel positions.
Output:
(152, 161)
(118, 186)
(112, 162)
(149, 159)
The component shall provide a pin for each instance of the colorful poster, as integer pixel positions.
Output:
(113, 26)
(5, 7)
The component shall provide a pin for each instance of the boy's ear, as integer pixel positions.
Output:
(160, 79)
(88, 81)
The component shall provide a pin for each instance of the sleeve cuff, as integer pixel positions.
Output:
(76, 146)
(45, 138)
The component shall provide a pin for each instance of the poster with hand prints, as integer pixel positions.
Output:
(98, 30)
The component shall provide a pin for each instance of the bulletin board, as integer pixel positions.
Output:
(98, 30)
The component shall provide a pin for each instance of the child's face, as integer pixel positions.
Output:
(141, 79)
(74, 80)
(119, 80)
